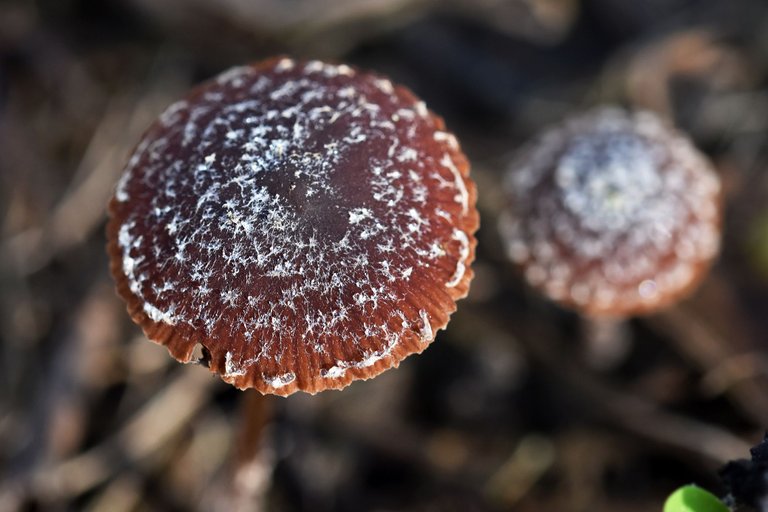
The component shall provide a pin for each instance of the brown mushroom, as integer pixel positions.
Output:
(612, 213)
(308, 224)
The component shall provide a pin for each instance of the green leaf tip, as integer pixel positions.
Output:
(690, 498)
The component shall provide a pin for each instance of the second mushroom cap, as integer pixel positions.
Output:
(612, 213)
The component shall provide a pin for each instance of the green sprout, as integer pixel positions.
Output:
(690, 498)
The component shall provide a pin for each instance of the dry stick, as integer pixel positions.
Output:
(81, 208)
(708, 351)
(633, 413)
(644, 417)
(54, 416)
(533, 456)
(639, 415)
(121, 495)
(734, 370)
(151, 428)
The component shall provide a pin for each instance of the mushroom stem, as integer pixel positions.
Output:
(252, 460)
(607, 341)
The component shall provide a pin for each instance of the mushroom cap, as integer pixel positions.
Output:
(612, 213)
(308, 224)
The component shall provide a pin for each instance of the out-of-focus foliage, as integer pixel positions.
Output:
(693, 499)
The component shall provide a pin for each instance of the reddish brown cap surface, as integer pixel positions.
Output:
(308, 224)
(612, 213)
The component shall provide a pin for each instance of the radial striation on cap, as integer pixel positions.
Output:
(308, 224)
(612, 213)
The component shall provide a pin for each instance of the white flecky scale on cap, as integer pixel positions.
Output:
(623, 202)
(276, 215)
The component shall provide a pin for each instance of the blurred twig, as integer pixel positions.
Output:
(631, 412)
(81, 208)
(152, 427)
(701, 344)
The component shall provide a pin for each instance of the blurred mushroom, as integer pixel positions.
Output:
(612, 214)
(308, 224)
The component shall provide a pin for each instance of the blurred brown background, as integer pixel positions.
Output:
(504, 411)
